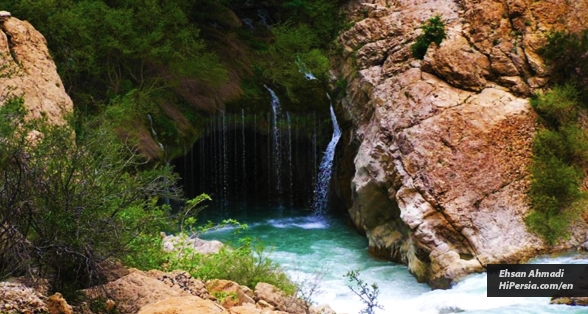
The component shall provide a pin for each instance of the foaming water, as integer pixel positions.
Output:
(309, 246)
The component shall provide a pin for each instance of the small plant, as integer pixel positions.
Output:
(433, 32)
(222, 296)
(368, 294)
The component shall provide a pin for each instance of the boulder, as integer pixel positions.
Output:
(182, 242)
(26, 68)
(56, 304)
(230, 293)
(135, 290)
(183, 305)
(278, 299)
(4, 15)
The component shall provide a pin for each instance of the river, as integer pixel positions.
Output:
(310, 247)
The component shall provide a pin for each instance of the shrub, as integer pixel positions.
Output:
(246, 264)
(69, 201)
(558, 107)
(566, 54)
(559, 153)
(433, 32)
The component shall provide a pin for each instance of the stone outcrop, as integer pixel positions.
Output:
(178, 305)
(177, 292)
(27, 70)
(440, 178)
(183, 243)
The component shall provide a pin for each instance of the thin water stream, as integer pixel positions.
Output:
(307, 245)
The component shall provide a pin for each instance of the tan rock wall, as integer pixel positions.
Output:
(441, 173)
(27, 69)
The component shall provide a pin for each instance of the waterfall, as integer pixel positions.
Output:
(244, 184)
(302, 68)
(225, 162)
(321, 189)
(276, 142)
(290, 160)
(263, 16)
(154, 133)
(255, 149)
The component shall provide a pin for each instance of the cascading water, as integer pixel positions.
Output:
(244, 166)
(321, 190)
(302, 68)
(225, 161)
(263, 17)
(290, 179)
(276, 142)
(154, 133)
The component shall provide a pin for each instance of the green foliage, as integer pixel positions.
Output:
(69, 201)
(222, 296)
(367, 293)
(321, 15)
(567, 54)
(433, 32)
(246, 264)
(559, 153)
(293, 51)
(559, 106)
(106, 48)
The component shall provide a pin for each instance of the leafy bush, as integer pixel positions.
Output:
(69, 201)
(294, 46)
(558, 107)
(566, 54)
(246, 264)
(559, 153)
(433, 32)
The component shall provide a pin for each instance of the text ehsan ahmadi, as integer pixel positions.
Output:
(532, 273)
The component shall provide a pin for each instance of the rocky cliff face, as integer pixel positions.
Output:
(27, 69)
(440, 177)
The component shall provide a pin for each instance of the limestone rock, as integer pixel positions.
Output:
(579, 301)
(459, 64)
(135, 290)
(443, 144)
(180, 242)
(26, 68)
(4, 15)
(322, 309)
(278, 299)
(232, 293)
(181, 280)
(183, 305)
(56, 304)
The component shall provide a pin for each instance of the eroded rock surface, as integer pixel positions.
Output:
(441, 174)
(27, 69)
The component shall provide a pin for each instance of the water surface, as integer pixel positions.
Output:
(308, 246)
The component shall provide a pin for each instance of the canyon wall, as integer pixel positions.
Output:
(440, 175)
(27, 70)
